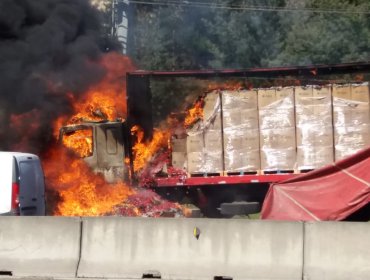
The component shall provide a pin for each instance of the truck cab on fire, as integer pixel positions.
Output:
(105, 147)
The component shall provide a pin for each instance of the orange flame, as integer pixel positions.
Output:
(80, 141)
(143, 151)
(195, 113)
(104, 101)
(82, 193)
(228, 85)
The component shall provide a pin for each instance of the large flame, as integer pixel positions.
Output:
(145, 150)
(104, 101)
(80, 142)
(80, 191)
(195, 113)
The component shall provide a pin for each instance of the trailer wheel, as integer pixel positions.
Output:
(240, 208)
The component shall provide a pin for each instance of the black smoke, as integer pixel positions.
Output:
(48, 48)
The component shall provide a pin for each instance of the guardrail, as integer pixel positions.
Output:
(115, 247)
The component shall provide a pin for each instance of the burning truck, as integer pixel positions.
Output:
(234, 141)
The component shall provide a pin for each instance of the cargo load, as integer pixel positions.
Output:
(240, 131)
(351, 118)
(277, 129)
(314, 127)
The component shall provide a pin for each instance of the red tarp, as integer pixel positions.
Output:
(330, 193)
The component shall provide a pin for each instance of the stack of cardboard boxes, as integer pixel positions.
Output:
(204, 141)
(277, 129)
(240, 131)
(314, 127)
(351, 118)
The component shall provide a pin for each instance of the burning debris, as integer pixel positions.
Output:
(146, 203)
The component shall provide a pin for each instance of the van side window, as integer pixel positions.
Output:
(80, 141)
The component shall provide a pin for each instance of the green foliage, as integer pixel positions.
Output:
(188, 36)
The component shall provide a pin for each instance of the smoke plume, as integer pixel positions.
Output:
(48, 48)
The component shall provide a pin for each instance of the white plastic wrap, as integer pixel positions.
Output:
(241, 149)
(242, 160)
(278, 159)
(277, 129)
(314, 127)
(240, 131)
(351, 118)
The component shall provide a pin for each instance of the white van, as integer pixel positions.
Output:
(22, 187)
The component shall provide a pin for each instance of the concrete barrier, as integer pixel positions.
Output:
(39, 246)
(135, 247)
(337, 251)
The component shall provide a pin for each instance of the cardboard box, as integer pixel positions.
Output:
(350, 113)
(342, 91)
(241, 138)
(301, 93)
(266, 97)
(250, 139)
(312, 96)
(316, 114)
(276, 108)
(356, 136)
(178, 144)
(213, 161)
(213, 140)
(241, 117)
(314, 157)
(278, 159)
(179, 160)
(276, 118)
(231, 118)
(360, 92)
(249, 118)
(343, 151)
(314, 135)
(239, 99)
(285, 93)
(242, 160)
(195, 142)
(195, 162)
(276, 139)
(322, 92)
(212, 105)
(213, 122)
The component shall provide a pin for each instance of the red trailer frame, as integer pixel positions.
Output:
(222, 180)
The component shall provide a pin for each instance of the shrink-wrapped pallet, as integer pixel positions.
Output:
(277, 129)
(351, 118)
(240, 131)
(204, 140)
(314, 127)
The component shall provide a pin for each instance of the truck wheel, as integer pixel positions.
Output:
(240, 208)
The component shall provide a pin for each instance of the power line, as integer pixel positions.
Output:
(210, 5)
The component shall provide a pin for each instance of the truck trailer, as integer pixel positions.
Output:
(221, 192)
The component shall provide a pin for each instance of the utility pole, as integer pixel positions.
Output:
(120, 22)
